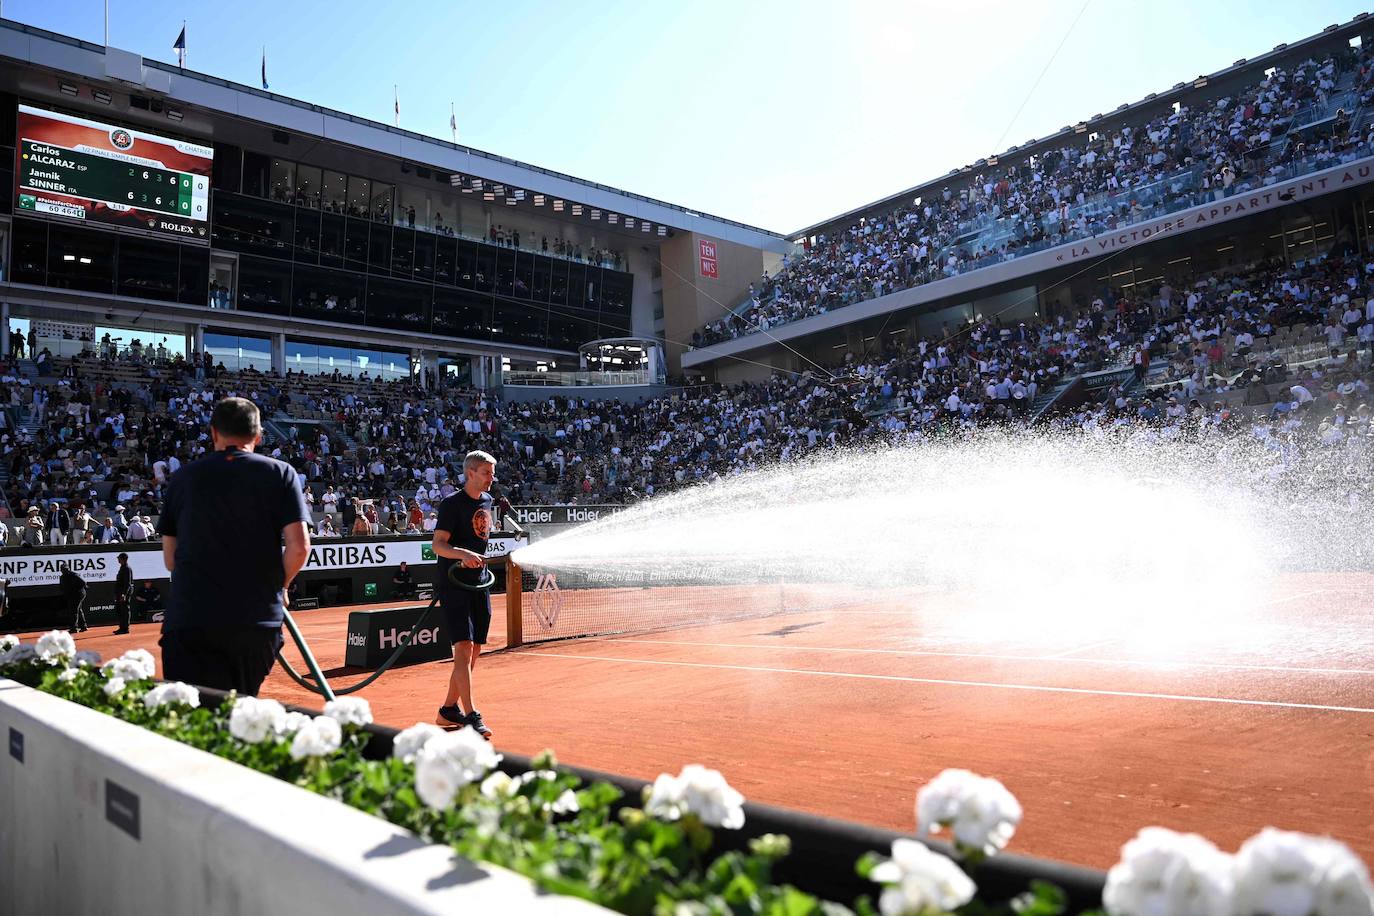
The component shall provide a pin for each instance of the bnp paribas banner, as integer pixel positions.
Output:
(41, 567)
(392, 552)
(23, 567)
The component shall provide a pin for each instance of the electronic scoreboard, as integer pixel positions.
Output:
(74, 168)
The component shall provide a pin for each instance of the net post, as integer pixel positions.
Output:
(515, 616)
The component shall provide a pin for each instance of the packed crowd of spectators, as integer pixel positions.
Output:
(88, 450)
(1106, 181)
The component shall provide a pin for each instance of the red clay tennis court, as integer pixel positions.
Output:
(846, 711)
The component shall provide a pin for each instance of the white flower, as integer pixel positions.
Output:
(1163, 873)
(24, 652)
(56, 646)
(1279, 873)
(408, 743)
(978, 810)
(500, 785)
(8, 642)
(565, 803)
(349, 711)
(88, 659)
(113, 686)
(174, 692)
(450, 761)
(696, 790)
(68, 675)
(291, 723)
(134, 665)
(251, 720)
(319, 737)
(919, 880)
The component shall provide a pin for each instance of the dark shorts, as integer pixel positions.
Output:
(468, 616)
(231, 658)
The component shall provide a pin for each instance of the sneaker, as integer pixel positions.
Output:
(451, 717)
(474, 719)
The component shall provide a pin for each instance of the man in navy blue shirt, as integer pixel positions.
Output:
(223, 523)
(460, 540)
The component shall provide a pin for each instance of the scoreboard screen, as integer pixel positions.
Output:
(73, 168)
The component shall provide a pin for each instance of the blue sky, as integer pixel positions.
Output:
(778, 114)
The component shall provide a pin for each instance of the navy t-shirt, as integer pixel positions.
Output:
(468, 523)
(227, 512)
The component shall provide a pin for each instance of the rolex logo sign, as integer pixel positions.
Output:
(547, 600)
(426, 552)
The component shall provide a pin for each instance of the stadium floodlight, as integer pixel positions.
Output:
(101, 96)
(662, 230)
(539, 200)
(1080, 128)
(558, 206)
(596, 214)
(629, 222)
(519, 194)
(488, 196)
(577, 209)
(512, 202)
(613, 218)
(174, 114)
(645, 226)
(456, 180)
(1200, 82)
(68, 89)
(499, 189)
(992, 160)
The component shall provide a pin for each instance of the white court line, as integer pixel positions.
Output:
(1125, 662)
(1076, 649)
(948, 683)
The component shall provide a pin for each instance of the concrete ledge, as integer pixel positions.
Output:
(212, 837)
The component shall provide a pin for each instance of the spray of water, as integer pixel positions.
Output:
(1037, 534)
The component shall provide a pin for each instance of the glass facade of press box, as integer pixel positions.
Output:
(316, 243)
(321, 244)
(321, 359)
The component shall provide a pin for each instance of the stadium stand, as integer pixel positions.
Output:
(1286, 125)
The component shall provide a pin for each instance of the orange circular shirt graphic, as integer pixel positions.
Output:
(481, 523)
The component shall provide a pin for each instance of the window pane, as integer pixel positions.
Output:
(148, 270)
(283, 181)
(577, 285)
(307, 236)
(381, 202)
(424, 256)
(466, 269)
(461, 314)
(302, 357)
(335, 192)
(484, 274)
(445, 260)
(81, 260)
(264, 285)
(402, 251)
(359, 196)
(329, 295)
(379, 249)
(540, 275)
(558, 286)
(519, 324)
(308, 186)
(227, 172)
(257, 174)
(355, 247)
(397, 304)
(30, 252)
(331, 240)
(253, 226)
(193, 282)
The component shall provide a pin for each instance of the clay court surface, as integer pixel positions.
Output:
(845, 711)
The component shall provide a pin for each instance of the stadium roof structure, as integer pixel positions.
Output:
(169, 83)
(1126, 110)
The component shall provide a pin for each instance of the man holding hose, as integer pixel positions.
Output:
(460, 545)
